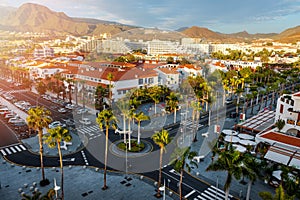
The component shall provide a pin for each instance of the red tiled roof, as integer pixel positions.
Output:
(168, 70)
(279, 137)
(297, 94)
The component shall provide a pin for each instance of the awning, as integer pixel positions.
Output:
(246, 136)
(247, 142)
(229, 132)
(232, 139)
(284, 156)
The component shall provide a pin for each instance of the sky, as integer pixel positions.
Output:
(226, 16)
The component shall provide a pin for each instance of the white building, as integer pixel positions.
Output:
(43, 52)
(284, 144)
(288, 109)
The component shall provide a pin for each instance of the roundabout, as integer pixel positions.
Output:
(120, 152)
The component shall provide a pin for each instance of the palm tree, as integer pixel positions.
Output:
(110, 77)
(179, 162)
(279, 195)
(123, 105)
(195, 117)
(53, 138)
(39, 118)
(251, 171)
(130, 117)
(140, 117)
(70, 84)
(155, 96)
(230, 161)
(161, 138)
(106, 118)
(172, 102)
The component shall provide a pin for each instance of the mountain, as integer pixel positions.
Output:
(37, 18)
(205, 33)
(209, 35)
(289, 35)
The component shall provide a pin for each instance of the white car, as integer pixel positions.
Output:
(82, 111)
(62, 110)
(85, 121)
(70, 106)
(56, 124)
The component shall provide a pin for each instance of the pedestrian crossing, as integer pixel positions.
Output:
(12, 149)
(16, 91)
(211, 193)
(189, 124)
(91, 132)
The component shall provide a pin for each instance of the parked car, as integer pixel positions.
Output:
(62, 110)
(56, 124)
(85, 121)
(15, 120)
(82, 111)
(70, 106)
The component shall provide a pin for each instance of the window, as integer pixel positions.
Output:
(140, 81)
(281, 108)
(150, 80)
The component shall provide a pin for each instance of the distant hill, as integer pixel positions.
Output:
(209, 35)
(289, 35)
(32, 17)
(37, 18)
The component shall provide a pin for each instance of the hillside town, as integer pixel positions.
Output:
(177, 117)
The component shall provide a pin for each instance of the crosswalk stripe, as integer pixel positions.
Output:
(220, 190)
(13, 150)
(189, 194)
(8, 151)
(18, 149)
(3, 152)
(22, 147)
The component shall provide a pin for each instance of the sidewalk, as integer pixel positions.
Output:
(79, 183)
(217, 178)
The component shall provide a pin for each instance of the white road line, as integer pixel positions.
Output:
(189, 194)
(3, 152)
(22, 147)
(13, 150)
(8, 151)
(18, 149)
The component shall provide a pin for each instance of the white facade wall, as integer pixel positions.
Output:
(288, 109)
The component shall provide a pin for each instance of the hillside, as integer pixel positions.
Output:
(37, 18)
(209, 35)
(289, 35)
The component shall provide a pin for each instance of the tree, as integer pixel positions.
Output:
(53, 138)
(155, 96)
(172, 102)
(106, 118)
(110, 77)
(230, 161)
(41, 88)
(279, 195)
(280, 124)
(161, 138)
(100, 94)
(179, 162)
(251, 171)
(140, 117)
(39, 118)
(70, 84)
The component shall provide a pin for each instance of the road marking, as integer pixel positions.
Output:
(12, 149)
(189, 194)
(3, 152)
